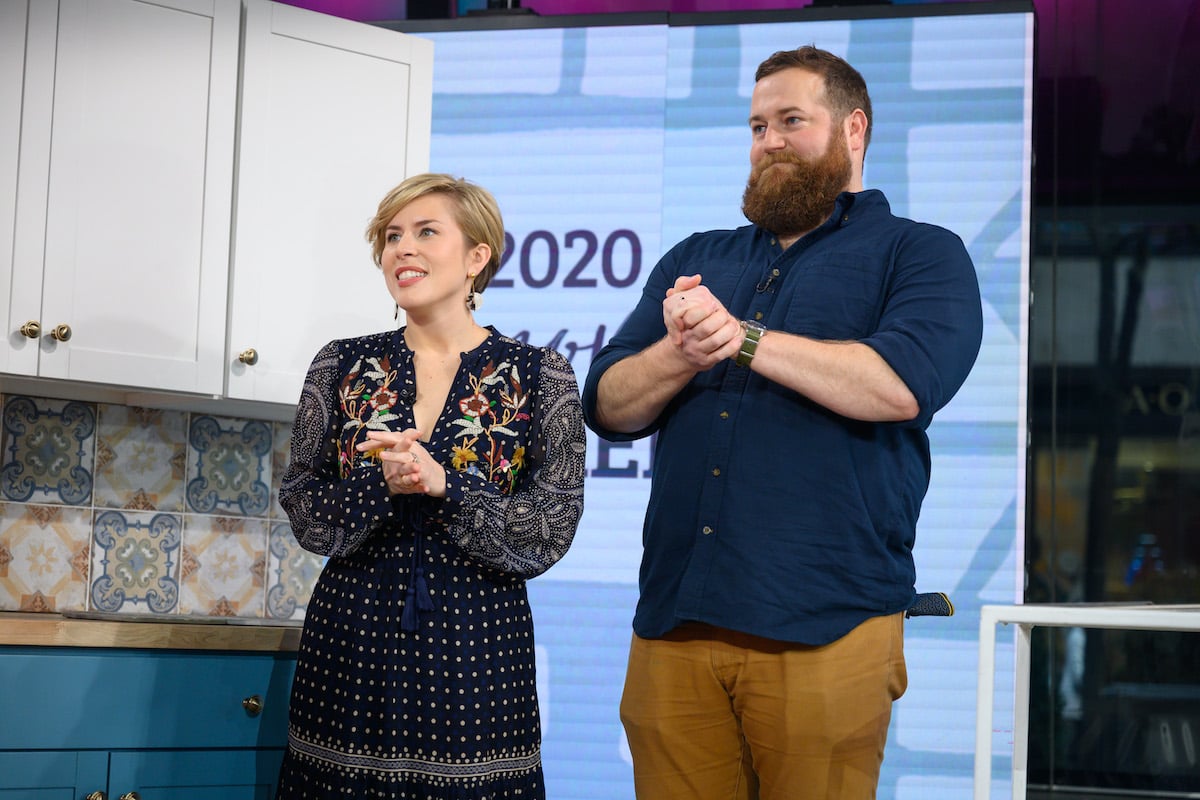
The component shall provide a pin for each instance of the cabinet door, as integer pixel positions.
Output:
(195, 775)
(123, 202)
(99, 699)
(334, 114)
(158, 774)
(20, 296)
(52, 774)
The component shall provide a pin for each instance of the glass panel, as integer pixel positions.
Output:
(1115, 472)
(1115, 374)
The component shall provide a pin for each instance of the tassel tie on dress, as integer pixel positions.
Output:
(416, 597)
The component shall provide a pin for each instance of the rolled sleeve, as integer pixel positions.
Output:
(931, 327)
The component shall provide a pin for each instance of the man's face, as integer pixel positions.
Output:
(799, 160)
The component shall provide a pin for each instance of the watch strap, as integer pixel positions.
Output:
(751, 333)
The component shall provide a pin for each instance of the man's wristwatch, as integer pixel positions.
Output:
(751, 332)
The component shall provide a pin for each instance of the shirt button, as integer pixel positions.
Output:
(758, 315)
(724, 415)
(716, 472)
(707, 530)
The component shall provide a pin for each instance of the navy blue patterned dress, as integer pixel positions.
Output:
(415, 677)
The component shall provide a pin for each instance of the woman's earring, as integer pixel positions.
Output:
(474, 301)
(397, 315)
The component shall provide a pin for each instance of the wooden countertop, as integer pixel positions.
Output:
(55, 630)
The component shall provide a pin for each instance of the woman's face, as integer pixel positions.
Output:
(426, 261)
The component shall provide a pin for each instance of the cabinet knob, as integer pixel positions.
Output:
(248, 356)
(131, 796)
(31, 330)
(96, 796)
(61, 333)
(253, 705)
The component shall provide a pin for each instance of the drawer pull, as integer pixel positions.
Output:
(253, 705)
(131, 796)
(248, 356)
(61, 333)
(31, 330)
(96, 796)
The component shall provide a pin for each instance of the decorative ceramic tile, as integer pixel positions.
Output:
(141, 454)
(230, 466)
(293, 573)
(49, 451)
(281, 450)
(134, 566)
(224, 561)
(44, 554)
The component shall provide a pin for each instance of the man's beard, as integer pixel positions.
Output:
(793, 200)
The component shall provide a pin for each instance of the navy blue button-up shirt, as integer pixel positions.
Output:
(769, 514)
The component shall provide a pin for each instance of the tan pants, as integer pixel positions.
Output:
(711, 714)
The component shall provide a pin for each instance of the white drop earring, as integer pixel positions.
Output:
(474, 301)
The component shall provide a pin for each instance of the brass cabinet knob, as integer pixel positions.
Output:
(253, 705)
(248, 356)
(131, 796)
(32, 330)
(96, 796)
(61, 333)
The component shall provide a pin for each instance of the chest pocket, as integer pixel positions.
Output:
(837, 297)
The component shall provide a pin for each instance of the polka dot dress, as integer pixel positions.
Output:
(415, 678)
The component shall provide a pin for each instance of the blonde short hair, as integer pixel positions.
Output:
(475, 211)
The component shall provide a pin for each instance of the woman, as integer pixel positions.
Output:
(439, 467)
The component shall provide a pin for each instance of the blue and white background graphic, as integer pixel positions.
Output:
(604, 147)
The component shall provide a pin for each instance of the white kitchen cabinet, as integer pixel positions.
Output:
(133, 253)
(12, 65)
(333, 115)
(119, 185)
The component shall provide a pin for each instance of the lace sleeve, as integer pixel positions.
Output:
(330, 515)
(527, 532)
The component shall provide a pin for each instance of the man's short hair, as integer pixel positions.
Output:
(845, 89)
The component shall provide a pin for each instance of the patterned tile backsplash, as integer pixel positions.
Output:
(131, 510)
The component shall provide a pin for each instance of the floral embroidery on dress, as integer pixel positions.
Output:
(497, 399)
(366, 406)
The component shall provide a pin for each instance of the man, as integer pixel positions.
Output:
(790, 369)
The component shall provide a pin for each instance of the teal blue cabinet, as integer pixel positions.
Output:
(50, 775)
(166, 724)
(153, 774)
(195, 774)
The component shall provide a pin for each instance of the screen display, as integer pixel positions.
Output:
(605, 146)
